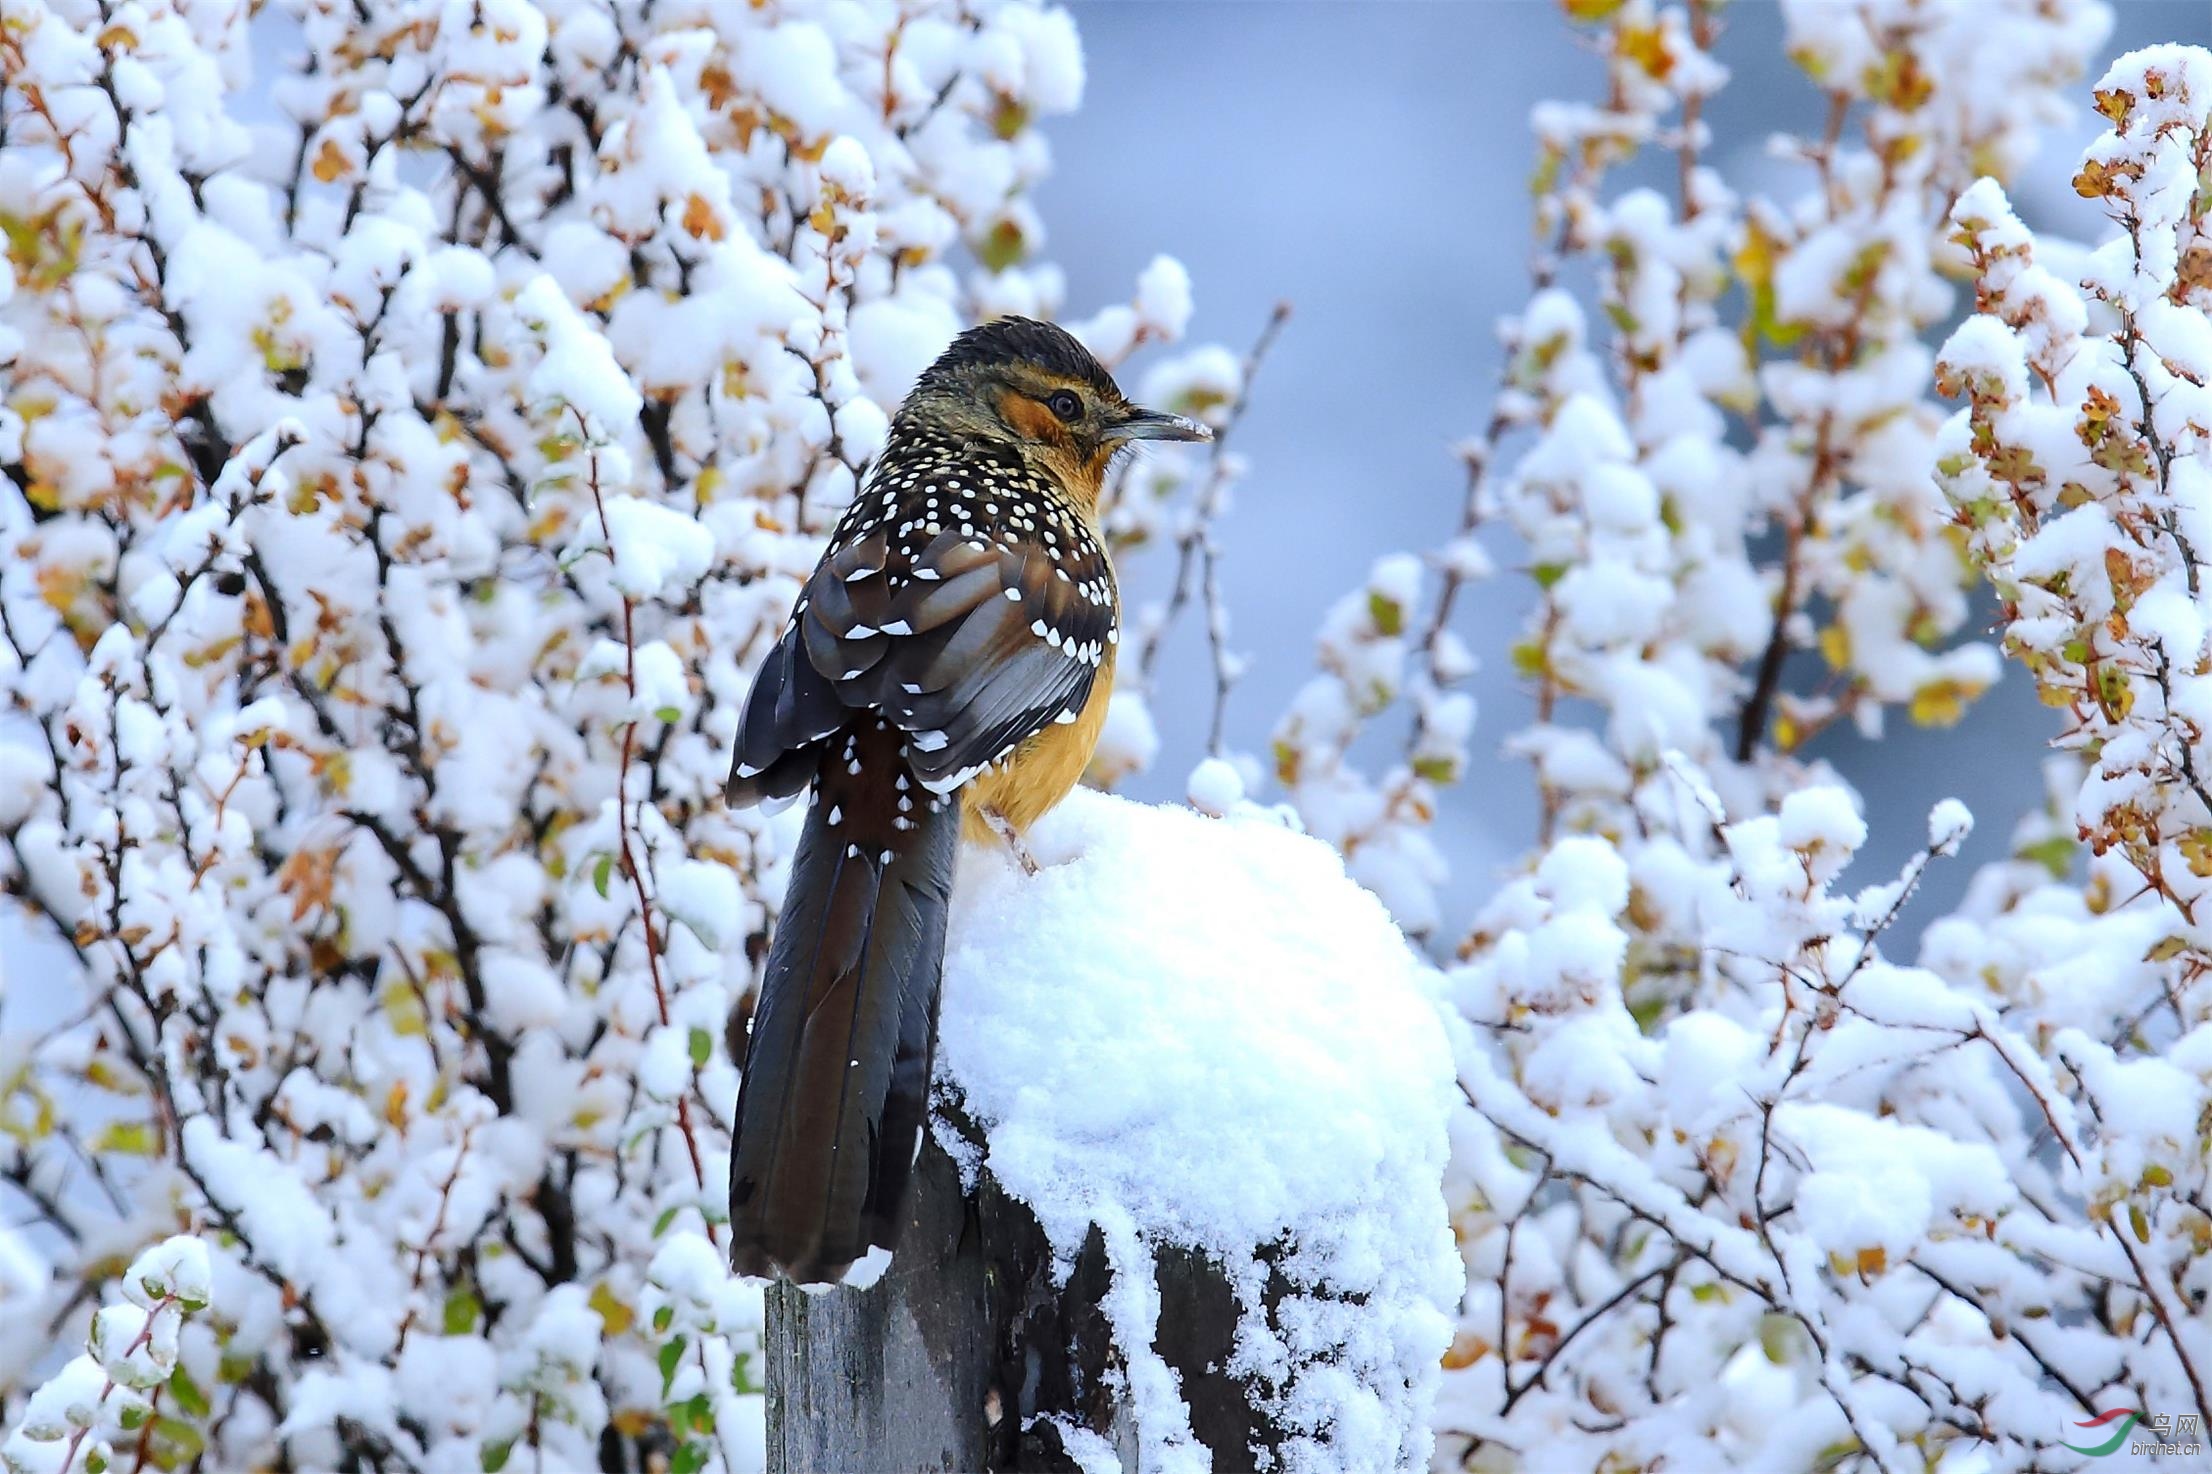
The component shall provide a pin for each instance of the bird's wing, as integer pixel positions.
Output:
(970, 639)
(1006, 640)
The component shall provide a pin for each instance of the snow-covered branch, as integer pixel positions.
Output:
(416, 422)
(407, 454)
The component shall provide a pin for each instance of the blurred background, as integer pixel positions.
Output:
(1368, 163)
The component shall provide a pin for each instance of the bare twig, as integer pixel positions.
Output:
(631, 865)
(1198, 555)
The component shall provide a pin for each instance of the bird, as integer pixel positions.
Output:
(945, 672)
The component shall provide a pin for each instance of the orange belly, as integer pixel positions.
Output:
(1042, 770)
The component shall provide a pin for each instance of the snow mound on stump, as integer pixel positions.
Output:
(1198, 1032)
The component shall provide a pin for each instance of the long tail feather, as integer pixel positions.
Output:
(835, 1089)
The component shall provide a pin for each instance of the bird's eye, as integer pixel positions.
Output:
(1067, 404)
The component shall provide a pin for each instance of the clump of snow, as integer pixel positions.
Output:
(1226, 1045)
(1163, 297)
(1214, 787)
(654, 546)
(1949, 823)
(578, 369)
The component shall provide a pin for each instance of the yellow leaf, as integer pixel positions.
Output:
(129, 1138)
(1942, 702)
(403, 1011)
(1647, 47)
(1755, 261)
(618, 1316)
(105, 1074)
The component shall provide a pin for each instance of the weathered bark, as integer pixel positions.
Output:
(967, 1356)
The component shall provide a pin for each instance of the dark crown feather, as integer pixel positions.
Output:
(1019, 340)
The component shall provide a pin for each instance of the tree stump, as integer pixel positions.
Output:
(1222, 1085)
(966, 1356)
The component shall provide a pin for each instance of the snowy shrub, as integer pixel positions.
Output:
(417, 417)
(1737, 1188)
(410, 452)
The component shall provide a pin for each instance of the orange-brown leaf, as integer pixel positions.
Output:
(330, 164)
(701, 221)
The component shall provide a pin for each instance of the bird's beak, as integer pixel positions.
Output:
(1152, 424)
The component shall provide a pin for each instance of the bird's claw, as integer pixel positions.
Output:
(1004, 829)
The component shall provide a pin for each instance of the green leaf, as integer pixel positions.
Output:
(702, 1046)
(188, 1394)
(1002, 246)
(669, 714)
(495, 1455)
(599, 874)
(701, 1413)
(1778, 1338)
(179, 1443)
(1388, 614)
(1437, 769)
(662, 1317)
(690, 1459)
(462, 1309)
(2055, 854)
(671, 1354)
(668, 1216)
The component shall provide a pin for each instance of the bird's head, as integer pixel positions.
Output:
(1032, 385)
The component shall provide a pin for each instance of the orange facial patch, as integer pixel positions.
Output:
(1094, 470)
(1031, 419)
